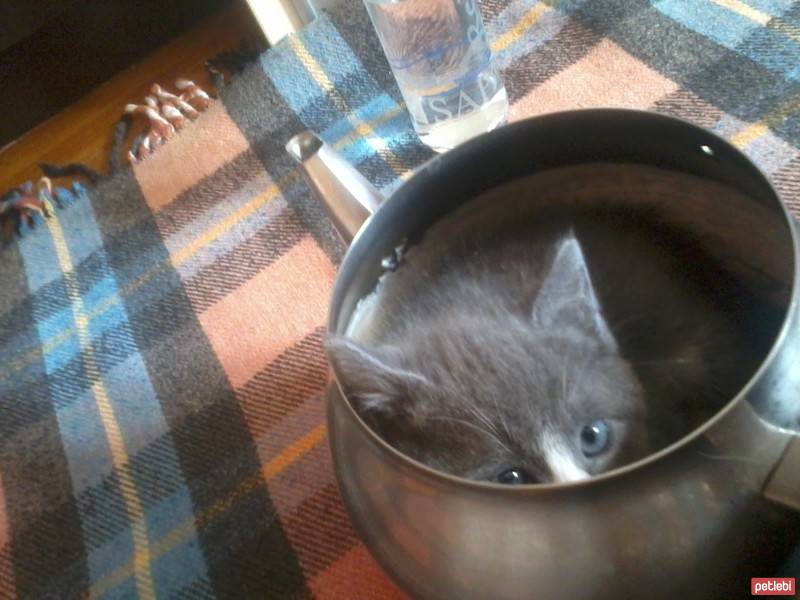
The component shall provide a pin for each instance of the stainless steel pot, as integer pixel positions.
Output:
(695, 520)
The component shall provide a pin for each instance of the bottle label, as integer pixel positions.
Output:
(463, 98)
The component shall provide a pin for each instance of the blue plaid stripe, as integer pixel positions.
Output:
(524, 26)
(357, 101)
(767, 32)
(118, 406)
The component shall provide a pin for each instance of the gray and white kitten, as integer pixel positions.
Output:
(477, 391)
(554, 348)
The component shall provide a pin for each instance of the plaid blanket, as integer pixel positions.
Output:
(161, 371)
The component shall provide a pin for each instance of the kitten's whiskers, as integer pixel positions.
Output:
(500, 416)
(471, 425)
(481, 416)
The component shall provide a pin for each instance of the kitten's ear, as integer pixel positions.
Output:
(567, 299)
(373, 378)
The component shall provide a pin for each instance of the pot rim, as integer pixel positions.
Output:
(792, 307)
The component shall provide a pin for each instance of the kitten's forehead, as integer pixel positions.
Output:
(560, 457)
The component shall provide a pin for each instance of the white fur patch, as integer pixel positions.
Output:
(560, 459)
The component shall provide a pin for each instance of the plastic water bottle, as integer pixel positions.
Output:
(441, 59)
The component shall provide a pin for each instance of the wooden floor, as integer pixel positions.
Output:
(82, 132)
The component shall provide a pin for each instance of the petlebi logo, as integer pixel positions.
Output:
(772, 586)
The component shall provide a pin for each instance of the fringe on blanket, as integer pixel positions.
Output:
(25, 206)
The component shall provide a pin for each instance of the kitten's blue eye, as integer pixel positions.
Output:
(595, 437)
(514, 476)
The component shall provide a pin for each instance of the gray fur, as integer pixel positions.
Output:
(484, 349)
(462, 391)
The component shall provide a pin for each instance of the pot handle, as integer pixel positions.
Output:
(348, 197)
(783, 484)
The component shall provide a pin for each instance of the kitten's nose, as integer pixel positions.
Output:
(560, 460)
(564, 471)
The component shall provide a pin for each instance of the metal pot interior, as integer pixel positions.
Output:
(596, 160)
